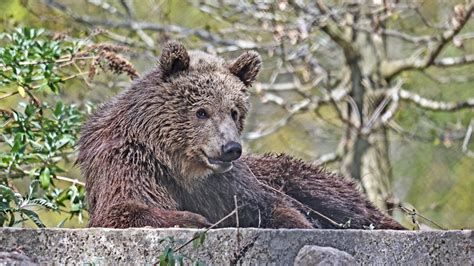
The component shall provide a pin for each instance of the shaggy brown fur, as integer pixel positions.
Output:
(165, 153)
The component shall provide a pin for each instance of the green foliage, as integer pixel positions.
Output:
(39, 137)
(21, 205)
(33, 63)
(171, 256)
(199, 238)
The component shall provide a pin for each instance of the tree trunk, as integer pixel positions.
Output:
(367, 161)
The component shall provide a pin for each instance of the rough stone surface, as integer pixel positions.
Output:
(15, 258)
(316, 255)
(257, 246)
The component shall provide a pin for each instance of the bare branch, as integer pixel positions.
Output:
(328, 158)
(298, 108)
(391, 68)
(391, 110)
(450, 79)
(128, 6)
(466, 36)
(406, 37)
(435, 105)
(334, 156)
(58, 177)
(311, 104)
(392, 96)
(454, 61)
(295, 201)
(396, 128)
(425, 20)
(139, 25)
(467, 138)
(106, 7)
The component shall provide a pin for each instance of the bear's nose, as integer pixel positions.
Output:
(231, 151)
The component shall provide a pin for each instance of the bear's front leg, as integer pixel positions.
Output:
(287, 217)
(136, 214)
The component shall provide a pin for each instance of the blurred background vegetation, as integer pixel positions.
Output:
(328, 93)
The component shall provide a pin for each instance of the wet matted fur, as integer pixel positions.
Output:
(153, 156)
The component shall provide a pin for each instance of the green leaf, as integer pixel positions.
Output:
(198, 263)
(30, 110)
(8, 140)
(2, 218)
(61, 197)
(12, 219)
(199, 241)
(18, 143)
(167, 257)
(36, 146)
(33, 217)
(61, 224)
(75, 207)
(44, 203)
(62, 142)
(179, 258)
(171, 258)
(21, 91)
(58, 110)
(9, 194)
(32, 189)
(45, 178)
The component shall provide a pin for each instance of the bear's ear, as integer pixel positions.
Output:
(246, 67)
(174, 58)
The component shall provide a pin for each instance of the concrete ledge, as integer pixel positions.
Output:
(258, 246)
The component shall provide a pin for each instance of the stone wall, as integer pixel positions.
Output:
(255, 246)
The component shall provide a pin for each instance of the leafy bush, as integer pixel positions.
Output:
(39, 133)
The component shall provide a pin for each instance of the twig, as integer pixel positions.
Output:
(8, 95)
(241, 252)
(62, 178)
(414, 213)
(139, 25)
(339, 225)
(128, 6)
(394, 67)
(449, 80)
(392, 96)
(400, 35)
(70, 180)
(207, 230)
(467, 138)
(303, 105)
(454, 61)
(328, 157)
(106, 7)
(308, 104)
(425, 20)
(237, 222)
(435, 105)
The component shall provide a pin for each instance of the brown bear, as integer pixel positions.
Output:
(166, 152)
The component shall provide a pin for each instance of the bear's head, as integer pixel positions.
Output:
(194, 108)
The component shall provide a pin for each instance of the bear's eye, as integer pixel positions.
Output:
(202, 114)
(234, 114)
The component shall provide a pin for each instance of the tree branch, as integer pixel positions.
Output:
(389, 69)
(333, 156)
(435, 105)
(106, 7)
(392, 96)
(454, 61)
(467, 138)
(139, 25)
(311, 104)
